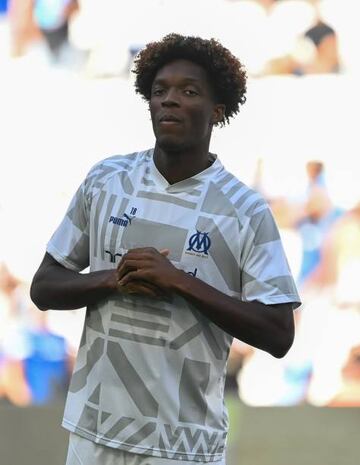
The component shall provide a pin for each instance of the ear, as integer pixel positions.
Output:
(218, 113)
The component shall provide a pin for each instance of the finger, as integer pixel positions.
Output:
(129, 265)
(130, 276)
(138, 288)
(165, 252)
(147, 288)
(123, 270)
(132, 254)
(137, 275)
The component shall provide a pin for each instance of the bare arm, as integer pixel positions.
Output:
(267, 327)
(57, 287)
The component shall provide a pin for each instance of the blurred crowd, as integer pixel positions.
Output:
(271, 36)
(322, 240)
(323, 247)
(37, 349)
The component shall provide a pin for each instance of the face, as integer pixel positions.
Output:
(182, 106)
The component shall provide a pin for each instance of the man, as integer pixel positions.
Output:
(183, 257)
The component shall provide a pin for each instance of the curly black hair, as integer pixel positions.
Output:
(225, 72)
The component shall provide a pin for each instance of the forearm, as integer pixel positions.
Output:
(64, 289)
(257, 324)
(267, 327)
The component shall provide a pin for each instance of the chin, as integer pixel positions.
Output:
(170, 144)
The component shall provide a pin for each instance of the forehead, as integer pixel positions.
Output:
(182, 70)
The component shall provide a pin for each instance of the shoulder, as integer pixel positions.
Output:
(115, 163)
(235, 196)
(111, 166)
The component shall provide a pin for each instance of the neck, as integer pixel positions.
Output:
(176, 166)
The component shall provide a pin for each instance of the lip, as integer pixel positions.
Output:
(169, 119)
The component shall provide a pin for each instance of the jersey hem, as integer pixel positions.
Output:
(283, 299)
(208, 458)
(52, 250)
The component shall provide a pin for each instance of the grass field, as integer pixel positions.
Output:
(258, 436)
(302, 435)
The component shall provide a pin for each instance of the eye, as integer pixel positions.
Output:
(157, 91)
(190, 92)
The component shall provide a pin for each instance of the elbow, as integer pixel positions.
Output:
(280, 352)
(283, 345)
(36, 296)
(284, 334)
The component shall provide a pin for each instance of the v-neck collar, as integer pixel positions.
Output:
(185, 184)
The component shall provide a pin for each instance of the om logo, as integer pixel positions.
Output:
(199, 242)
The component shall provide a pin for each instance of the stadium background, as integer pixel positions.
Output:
(60, 113)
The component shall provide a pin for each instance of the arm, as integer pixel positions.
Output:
(267, 327)
(55, 286)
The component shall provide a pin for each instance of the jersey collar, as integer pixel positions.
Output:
(186, 184)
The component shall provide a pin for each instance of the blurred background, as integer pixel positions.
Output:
(67, 100)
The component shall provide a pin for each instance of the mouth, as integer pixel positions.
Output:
(169, 119)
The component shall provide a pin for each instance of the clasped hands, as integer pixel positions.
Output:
(146, 271)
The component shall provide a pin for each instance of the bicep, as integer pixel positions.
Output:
(50, 279)
(283, 315)
(50, 270)
(48, 263)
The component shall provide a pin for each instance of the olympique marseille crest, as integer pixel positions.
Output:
(199, 244)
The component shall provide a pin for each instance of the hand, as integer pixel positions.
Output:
(147, 269)
(109, 280)
(140, 287)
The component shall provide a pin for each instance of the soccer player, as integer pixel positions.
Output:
(183, 257)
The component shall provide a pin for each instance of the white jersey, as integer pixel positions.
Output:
(149, 376)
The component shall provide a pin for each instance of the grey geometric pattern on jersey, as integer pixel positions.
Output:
(149, 375)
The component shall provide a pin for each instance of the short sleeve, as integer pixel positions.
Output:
(69, 245)
(265, 273)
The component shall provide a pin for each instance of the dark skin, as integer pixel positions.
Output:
(183, 111)
(181, 91)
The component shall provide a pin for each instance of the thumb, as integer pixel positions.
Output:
(165, 252)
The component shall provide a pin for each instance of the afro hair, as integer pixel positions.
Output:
(225, 72)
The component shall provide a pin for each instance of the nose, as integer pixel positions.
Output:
(171, 98)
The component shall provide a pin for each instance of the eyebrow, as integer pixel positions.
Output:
(188, 80)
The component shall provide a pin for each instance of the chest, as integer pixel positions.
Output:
(203, 245)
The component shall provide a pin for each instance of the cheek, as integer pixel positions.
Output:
(201, 120)
(152, 110)
(154, 106)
